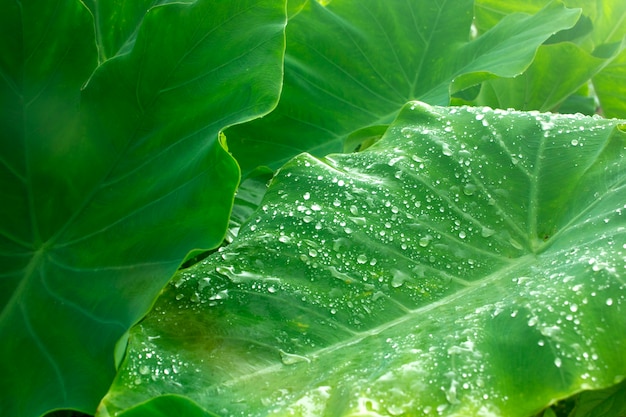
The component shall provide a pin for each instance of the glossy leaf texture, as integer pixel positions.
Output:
(355, 63)
(470, 263)
(593, 50)
(104, 153)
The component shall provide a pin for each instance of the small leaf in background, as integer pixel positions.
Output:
(469, 263)
(354, 63)
(603, 403)
(594, 49)
(111, 171)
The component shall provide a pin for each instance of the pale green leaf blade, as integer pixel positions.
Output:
(471, 262)
(607, 31)
(556, 73)
(610, 85)
(99, 162)
(355, 63)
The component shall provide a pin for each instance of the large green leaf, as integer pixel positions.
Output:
(355, 63)
(563, 65)
(610, 85)
(100, 162)
(557, 72)
(470, 263)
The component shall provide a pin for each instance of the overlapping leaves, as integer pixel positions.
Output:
(109, 144)
(355, 63)
(472, 262)
(595, 49)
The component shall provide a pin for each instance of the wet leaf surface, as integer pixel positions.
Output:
(471, 262)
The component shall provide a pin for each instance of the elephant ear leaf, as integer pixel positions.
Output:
(110, 166)
(471, 262)
(353, 64)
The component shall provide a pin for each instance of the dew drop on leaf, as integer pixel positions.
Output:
(425, 240)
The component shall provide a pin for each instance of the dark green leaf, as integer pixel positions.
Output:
(111, 173)
(610, 402)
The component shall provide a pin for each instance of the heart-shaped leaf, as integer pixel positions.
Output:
(599, 36)
(355, 63)
(470, 263)
(111, 171)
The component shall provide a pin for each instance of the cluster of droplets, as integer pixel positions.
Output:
(353, 241)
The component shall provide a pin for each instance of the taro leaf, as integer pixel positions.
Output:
(610, 402)
(116, 23)
(355, 63)
(610, 85)
(99, 163)
(557, 72)
(471, 262)
(607, 18)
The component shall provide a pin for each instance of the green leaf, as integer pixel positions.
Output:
(355, 63)
(568, 64)
(606, 16)
(610, 402)
(167, 406)
(610, 86)
(99, 163)
(117, 23)
(557, 72)
(471, 262)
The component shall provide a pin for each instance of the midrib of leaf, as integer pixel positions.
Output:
(576, 221)
(392, 47)
(532, 240)
(418, 71)
(358, 337)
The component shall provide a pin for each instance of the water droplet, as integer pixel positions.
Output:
(462, 234)
(487, 232)
(558, 362)
(306, 196)
(574, 142)
(609, 301)
(425, 240)
(361, 259)
(469, 189)
(144, 370)
(399, 278)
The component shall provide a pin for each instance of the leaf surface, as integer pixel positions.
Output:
(355, 63)
(557, 72)
(100, 159)
(602, 34)
(471, 262)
